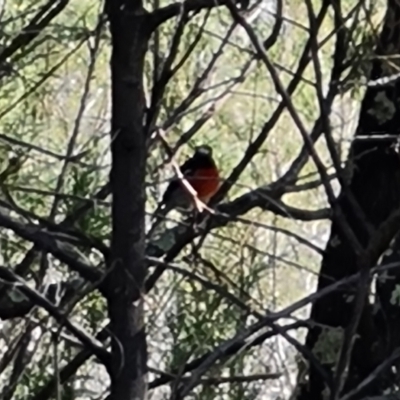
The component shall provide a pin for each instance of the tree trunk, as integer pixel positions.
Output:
(124, 292)
(376, 186)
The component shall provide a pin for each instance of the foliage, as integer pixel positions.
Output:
(54, 143)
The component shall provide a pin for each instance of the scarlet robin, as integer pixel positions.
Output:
(201, 172)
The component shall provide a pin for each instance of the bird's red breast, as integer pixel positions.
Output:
(205, 182)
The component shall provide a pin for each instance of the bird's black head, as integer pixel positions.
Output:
(203, 150)
(202, 158)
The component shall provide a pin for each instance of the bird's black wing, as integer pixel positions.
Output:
(187, 169)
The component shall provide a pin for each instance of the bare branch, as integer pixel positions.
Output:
(234, 345)
(268, 199)
(95, 347)
(42, 19)
(388, 363)
(46, 242)
(342, 222)
(165, 13)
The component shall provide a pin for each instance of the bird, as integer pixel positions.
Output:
(202, 173)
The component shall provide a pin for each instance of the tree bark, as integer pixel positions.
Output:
(130, 35)
(376, 186)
